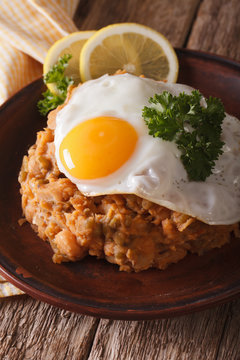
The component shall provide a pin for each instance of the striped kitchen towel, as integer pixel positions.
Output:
(7, 289)
(27, 29)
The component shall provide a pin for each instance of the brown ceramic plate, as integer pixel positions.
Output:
(95, 287)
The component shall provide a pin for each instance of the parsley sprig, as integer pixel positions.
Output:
(55, 75)
(195, 129)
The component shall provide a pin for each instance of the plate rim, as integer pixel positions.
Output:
(114, 314)
(130, 314)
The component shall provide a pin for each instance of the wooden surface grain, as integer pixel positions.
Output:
(30, 329)
(216, 28)
(34, 330)
(169, 17)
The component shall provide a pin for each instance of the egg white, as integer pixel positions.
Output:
(154, 171)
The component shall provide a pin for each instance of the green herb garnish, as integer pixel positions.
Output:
(195, 129)
(56, 75)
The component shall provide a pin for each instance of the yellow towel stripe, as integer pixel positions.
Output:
(7, 289)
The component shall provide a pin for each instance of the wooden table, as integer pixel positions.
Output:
(33, 330)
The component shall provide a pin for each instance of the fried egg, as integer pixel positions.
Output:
(102, 145)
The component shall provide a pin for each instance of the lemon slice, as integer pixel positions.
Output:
(70, 44)
(135, 48)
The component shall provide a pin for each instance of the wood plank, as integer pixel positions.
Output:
(173, 21)
(229, 347)
(194, 336)
(217, 28)
(34, 330)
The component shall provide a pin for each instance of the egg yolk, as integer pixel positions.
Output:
(97, 147)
